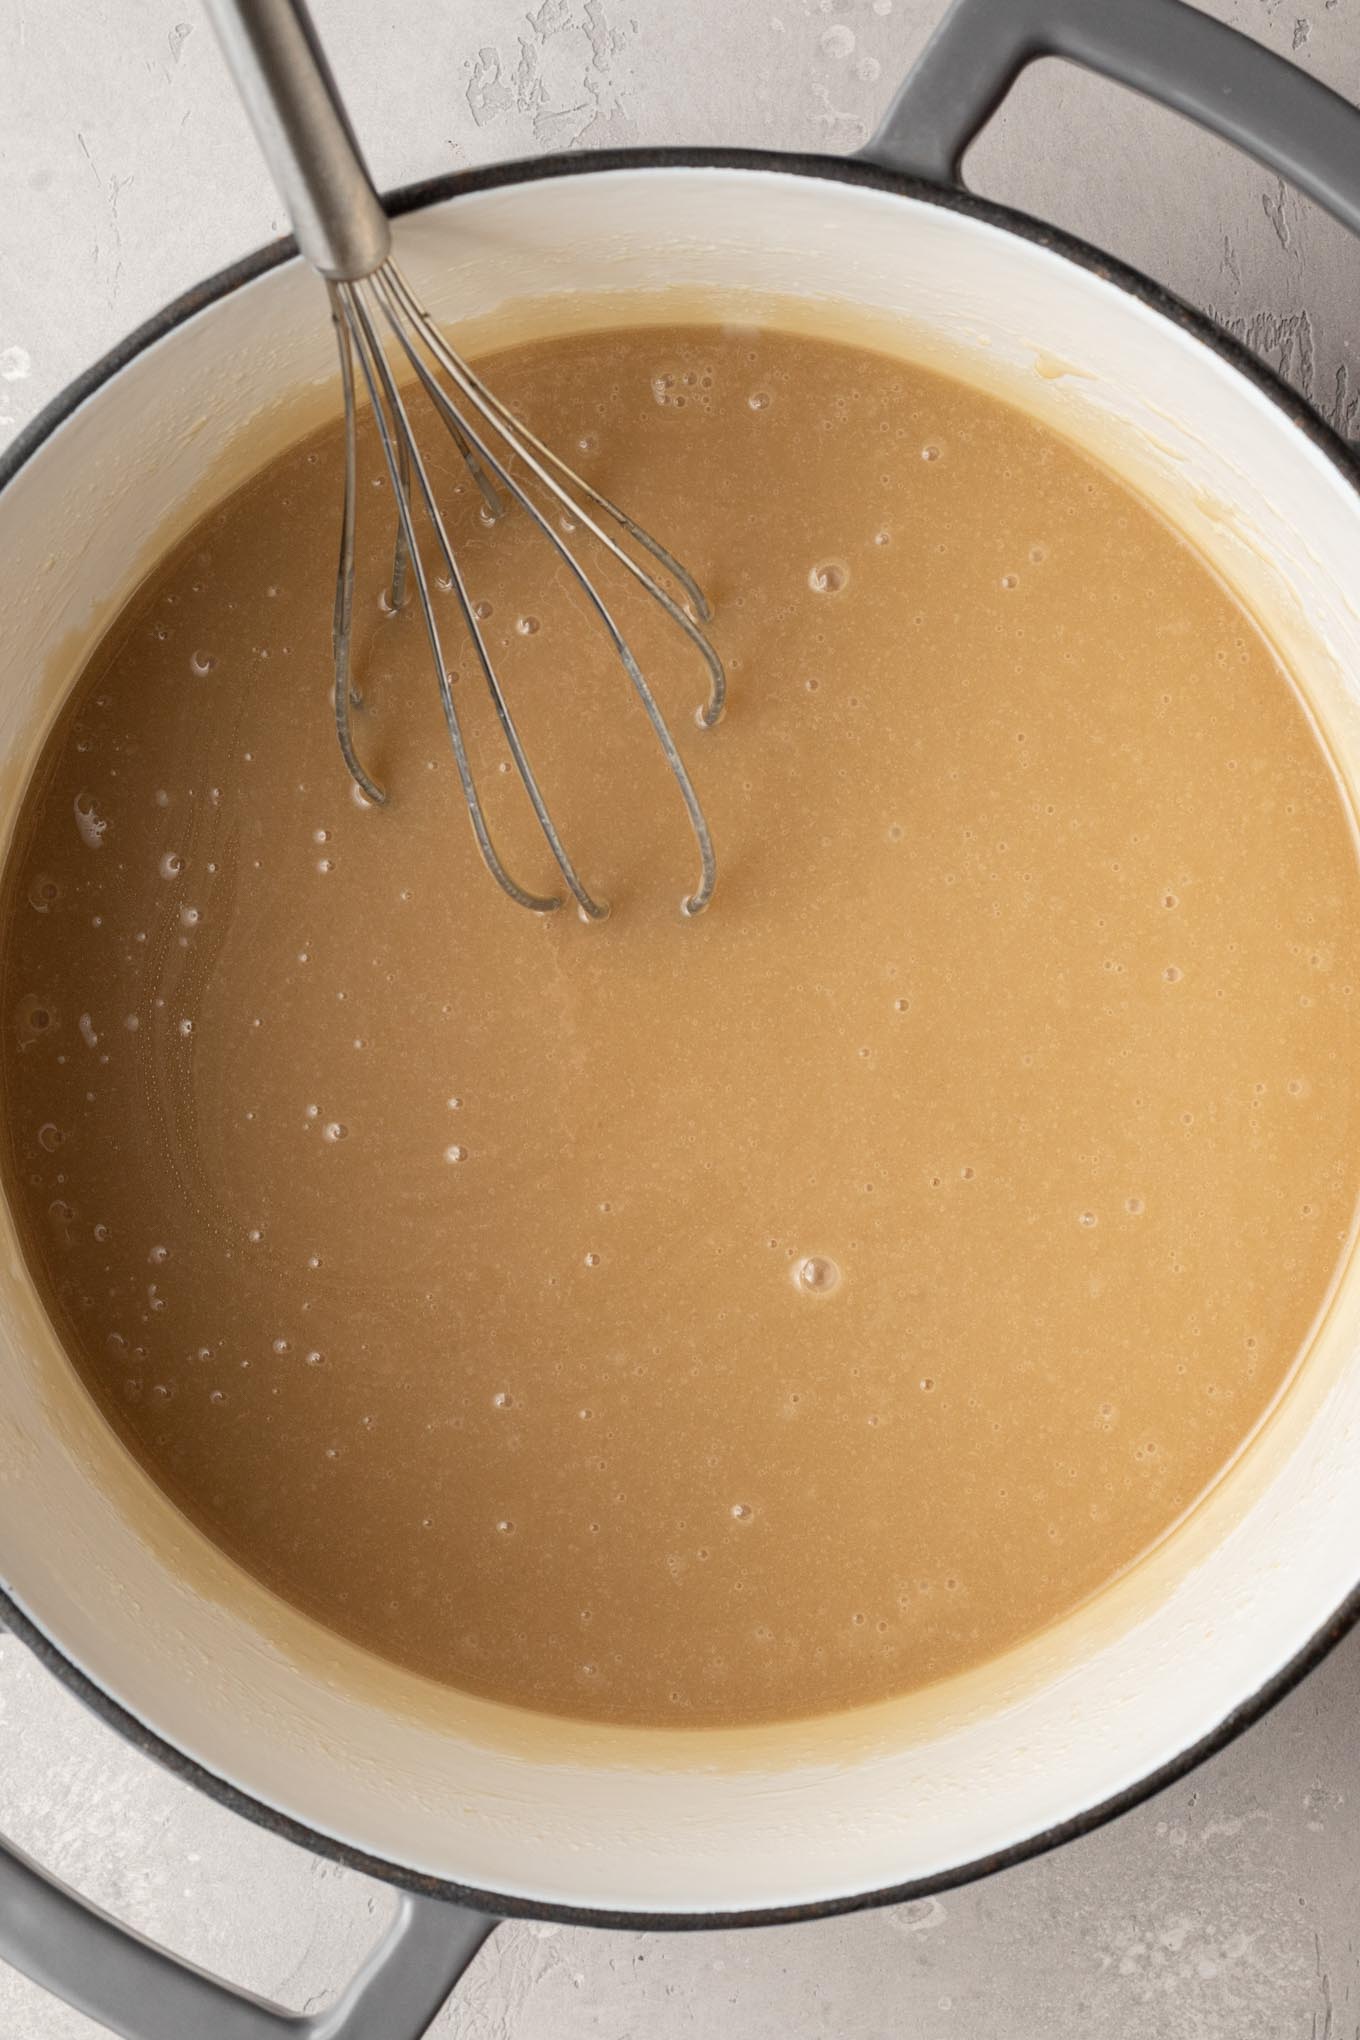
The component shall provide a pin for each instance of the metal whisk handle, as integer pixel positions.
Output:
(281, 73)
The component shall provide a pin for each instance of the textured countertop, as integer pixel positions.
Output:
(1229, 1905)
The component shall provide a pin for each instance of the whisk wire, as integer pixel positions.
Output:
(594, 909)
(379, 384)
(343, 621)
(696, 901)
(396, 593)
(355, 306)
(534, 453)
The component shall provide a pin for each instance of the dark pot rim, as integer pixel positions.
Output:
(844, 170)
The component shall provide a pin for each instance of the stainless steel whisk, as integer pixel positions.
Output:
(294, 105)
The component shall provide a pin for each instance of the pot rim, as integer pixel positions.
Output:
(1155, 297)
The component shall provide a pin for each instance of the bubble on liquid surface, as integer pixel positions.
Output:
(817, 1274)
(527, 626)
(171, 864)
(759, 400)
(89, 823)
(43, 894)
(828, 577)
(742, 1512)
(336, 1130)
(455, 1153)
(202, 664)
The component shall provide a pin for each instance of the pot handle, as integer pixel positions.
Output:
(1171, 52)
(143, 1992)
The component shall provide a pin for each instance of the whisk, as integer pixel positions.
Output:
(280, 70)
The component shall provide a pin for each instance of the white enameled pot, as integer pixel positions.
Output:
(461, 1801)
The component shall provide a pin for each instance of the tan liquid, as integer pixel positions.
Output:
(695, 1321)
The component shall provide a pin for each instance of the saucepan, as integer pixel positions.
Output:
(474, 1812)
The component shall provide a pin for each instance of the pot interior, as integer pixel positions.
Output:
(672, 1821)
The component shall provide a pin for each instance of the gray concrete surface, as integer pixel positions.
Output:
(1227, 1907)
